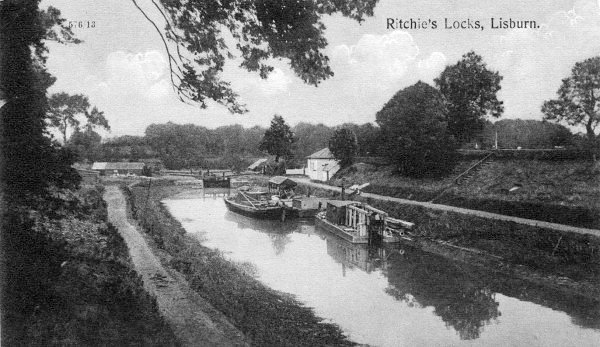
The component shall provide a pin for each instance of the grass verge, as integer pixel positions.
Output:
(266, 316)
(69, 281)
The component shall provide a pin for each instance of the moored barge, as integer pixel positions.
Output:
(254, 204)
(359, 223)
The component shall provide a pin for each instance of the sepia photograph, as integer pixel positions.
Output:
(299, 173)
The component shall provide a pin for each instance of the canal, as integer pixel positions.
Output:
(391, 295)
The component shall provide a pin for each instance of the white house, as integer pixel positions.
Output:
(321, 165)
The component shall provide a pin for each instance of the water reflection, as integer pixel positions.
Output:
(393, 295)
(459, 298)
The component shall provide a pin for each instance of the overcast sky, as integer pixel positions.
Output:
(122, 65)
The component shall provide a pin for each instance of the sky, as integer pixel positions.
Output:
(122, 66)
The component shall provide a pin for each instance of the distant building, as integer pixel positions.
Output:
(321, 165)
(118, 168)
(258, 165)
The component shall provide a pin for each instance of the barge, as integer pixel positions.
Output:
(254, 204)
(360, 223)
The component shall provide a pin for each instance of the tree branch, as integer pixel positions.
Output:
(170, 56)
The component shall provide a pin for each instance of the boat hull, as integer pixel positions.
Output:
(216, 183)
(336, 230)
(292, 212)
(271, 212)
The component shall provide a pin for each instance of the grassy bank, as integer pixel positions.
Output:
(69, 280)
(267, 317)
(544, 251)
(564, 191)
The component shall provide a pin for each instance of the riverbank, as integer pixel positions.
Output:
(265, 316)
(192, 319)
(69, 280)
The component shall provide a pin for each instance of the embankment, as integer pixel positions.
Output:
(557, 191)
(266, 316)
(69, 280)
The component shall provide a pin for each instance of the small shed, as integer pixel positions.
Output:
(257, 165)
(284, 186)
(118, 168)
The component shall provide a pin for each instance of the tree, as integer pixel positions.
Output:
(578, 101)
(262, 30)
(87, 145)
(469, 88)
(309, 139)
(65, 111)
(32, 166)
(278, 139)
(368, 137)
(343, 145)
(31, 162)
(525, 133)
(413, 124)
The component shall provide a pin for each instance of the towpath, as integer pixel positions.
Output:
(483, 214)
(194, 321)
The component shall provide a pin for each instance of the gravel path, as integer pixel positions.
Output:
(194, 321)
(439, 207)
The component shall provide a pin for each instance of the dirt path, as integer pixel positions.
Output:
(194, 321)
(439, 207)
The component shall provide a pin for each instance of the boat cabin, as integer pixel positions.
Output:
(355, 218)
(282, 186)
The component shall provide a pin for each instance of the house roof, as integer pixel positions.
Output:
(151, 161)
(282, 181)
(330, 166)
(257, 164)
(325, 153)
(99, 166)
(118, 166)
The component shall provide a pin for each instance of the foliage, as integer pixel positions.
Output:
(223, 145)
(368, 138)
(578, 101)
(87, 145)
(309, 139)
(278, 139)
(290, 29)
(413, 124)
(469, 88)
(64, 110)
(343, 145)
(73, 273)
(31, 161)
(125, 148)
(524, 133)
(187, 146)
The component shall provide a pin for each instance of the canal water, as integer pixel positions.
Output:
(391, 295)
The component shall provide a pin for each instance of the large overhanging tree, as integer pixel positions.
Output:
(196, 33)
(578, 101)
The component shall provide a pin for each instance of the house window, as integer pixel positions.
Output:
(313, 165)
